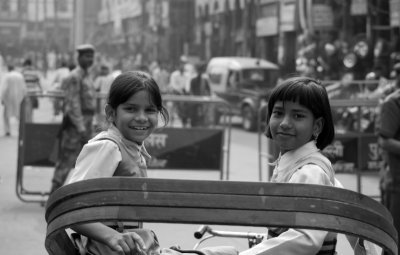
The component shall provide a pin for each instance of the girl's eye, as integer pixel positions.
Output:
(129, 108)
(277, 112)
(299, 116)
(152, 110)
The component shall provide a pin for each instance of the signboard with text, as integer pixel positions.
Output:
(186, 149)
(349, 152)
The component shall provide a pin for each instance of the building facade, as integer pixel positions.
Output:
(146, 30)
(287, 32)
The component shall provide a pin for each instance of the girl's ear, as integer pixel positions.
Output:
(318, 126)
(110, 113)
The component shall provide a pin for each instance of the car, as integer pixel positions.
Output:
(245, 83)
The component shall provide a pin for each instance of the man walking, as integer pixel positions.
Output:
(79, 109)
(388, 130)
(13, 91)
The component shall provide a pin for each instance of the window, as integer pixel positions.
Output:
(61, 5)
(23, 6)
(5, 5)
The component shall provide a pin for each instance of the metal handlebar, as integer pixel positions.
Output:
(253, 238)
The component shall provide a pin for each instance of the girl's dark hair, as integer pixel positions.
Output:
(129, 83)
(311, 94)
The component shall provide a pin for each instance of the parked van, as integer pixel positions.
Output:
(243, 82)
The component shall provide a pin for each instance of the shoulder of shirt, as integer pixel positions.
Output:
(104, 142)
(313, 171)
(107, 136)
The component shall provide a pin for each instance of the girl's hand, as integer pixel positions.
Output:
(127, 243)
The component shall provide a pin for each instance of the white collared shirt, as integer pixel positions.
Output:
(295, 241)
(100, 158)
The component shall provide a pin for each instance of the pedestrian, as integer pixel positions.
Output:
(179, 85)
(13, 91)
(102, 85)
(199, 86)
(160, 75)
(60, 74)
(33, 83)
(299, 121)
(388, 131)
(79, 108)
(32, 76)
(133, 109)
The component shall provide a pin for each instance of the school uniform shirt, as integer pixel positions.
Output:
(110, 154)
(297, 241)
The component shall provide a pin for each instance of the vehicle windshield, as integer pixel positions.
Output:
(259, 77)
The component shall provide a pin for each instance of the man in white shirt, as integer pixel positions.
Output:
(13, 91)
(179, 84)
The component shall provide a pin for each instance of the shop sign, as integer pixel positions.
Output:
(358, 7)
(394, 13)
(267, 26)
(288, 16)
(322, 16)
(208, 28)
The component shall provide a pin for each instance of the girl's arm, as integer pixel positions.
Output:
(119, 242)
(290, 242)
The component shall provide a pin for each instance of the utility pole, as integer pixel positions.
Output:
(73, 26)
(56, 28)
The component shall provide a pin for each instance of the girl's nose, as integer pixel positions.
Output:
(141, 116)
(286, 122)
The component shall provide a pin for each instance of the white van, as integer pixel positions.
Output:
(243, 82)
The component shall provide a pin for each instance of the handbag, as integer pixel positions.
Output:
(91, 247)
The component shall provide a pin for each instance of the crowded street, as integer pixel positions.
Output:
(215, 127)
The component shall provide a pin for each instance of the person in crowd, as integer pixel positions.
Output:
(199, 86)
(102, 85)
(300, 123)
(32, 76)
(160, 75)
(388, 131)
(33, 80)
(134, 107)
(179, 84)
(60, 74)
(13, 91)
(79, 108)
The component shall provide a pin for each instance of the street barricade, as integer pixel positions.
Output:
(204, 147)
(172, 147)
(36, 142)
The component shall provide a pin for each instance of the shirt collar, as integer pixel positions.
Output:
(292, 156)
(140, 148)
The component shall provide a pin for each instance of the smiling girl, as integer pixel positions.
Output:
(133, 108)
